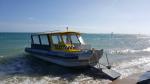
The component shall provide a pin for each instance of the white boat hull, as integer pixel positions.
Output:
(82, 60)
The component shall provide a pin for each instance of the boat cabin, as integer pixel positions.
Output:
(57, 41)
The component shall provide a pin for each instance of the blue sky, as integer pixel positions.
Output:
(92, 16)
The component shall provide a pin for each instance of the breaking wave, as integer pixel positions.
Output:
(127, 68)
(126, 51)
(1, 56)
(24, 69)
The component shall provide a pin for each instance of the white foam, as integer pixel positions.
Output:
(1, 56)
(126, 68)
(52, 80)
(147, 49)
(19, 66)
(133, 66)
(143, 37)
(125, 51)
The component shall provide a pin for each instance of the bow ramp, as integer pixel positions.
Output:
(103, 73)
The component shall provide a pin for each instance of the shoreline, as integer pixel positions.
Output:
(133, 79)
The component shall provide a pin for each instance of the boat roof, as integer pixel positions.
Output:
(54, 33)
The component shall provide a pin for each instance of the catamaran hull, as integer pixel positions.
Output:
(81, 59)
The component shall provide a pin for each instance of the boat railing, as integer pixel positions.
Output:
(76, 46)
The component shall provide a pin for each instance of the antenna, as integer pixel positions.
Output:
(67, 28)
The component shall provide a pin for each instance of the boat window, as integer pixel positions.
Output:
(56, 39)
(66, 39)
(44, 40)
(59, 38)
(81, 40)
(75, 39)
(36, 39)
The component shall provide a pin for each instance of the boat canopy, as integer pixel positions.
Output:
(61, 33)
(70, 41)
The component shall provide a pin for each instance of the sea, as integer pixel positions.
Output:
(127, 54)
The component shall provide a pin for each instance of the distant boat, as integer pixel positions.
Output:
(63, 48)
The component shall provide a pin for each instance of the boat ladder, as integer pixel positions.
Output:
(106, 70)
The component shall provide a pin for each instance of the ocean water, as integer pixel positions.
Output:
(127, 53)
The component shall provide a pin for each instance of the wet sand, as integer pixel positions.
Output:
(133, 79)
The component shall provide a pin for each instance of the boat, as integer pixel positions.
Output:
(66, 48)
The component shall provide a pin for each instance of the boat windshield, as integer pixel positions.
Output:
(81, 40)
(72, 39)
(66, 39)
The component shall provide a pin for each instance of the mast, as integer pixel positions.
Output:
(67, 29)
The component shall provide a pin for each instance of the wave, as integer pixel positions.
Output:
(147, 49)
(127, 68)
(25, 69)
(126, 51)
(1, 56)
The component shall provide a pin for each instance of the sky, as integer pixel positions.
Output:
(88, 16)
